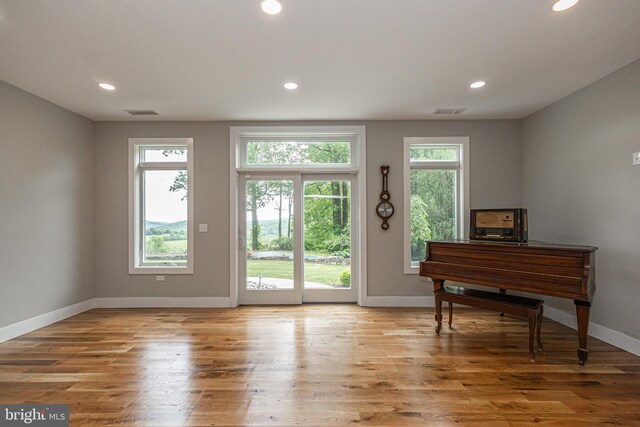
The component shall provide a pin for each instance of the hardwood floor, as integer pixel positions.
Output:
(316, 365)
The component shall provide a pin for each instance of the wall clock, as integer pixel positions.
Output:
(385, 209)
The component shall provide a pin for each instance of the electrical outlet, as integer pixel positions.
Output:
(159, 278)
(203, 228)
(636, 158)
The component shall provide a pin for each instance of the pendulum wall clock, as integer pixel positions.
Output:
(385, 209)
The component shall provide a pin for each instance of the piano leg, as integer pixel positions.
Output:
(582, 313)
(437, 286)
(538, 327)
(502, 291)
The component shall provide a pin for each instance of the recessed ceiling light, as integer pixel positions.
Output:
(478, 84)
(291, 85)
(106, 86)
(272, 7)
(562, 5)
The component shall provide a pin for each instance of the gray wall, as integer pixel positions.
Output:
(211, 201)
(46, 206)
(580, 187)
(495, 181)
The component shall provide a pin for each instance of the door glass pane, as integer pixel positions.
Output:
(327, 234)
(165, 217)
(269, 247)
(433, 208)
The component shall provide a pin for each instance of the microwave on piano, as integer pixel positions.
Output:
(505, 225)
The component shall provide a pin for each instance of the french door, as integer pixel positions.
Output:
(296, 238)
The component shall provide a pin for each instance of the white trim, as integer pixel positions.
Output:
(390, 301)
(234, 133)
(25, 326)
(358, 166)
(610, 336)
(309, 170)
(462, 188)
(162, 165)
(362, 210)
(162, 302)
(134, 167)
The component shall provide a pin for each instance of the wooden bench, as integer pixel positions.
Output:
(530, 308)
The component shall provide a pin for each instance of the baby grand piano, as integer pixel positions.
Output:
(542, 268)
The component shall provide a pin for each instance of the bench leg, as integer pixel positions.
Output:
(532, 331)
(538, 327)
(450, 313)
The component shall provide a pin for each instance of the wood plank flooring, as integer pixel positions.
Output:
(316, 365)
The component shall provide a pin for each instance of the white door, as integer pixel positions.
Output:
(297, 239)
(328, 239)
(269, 253)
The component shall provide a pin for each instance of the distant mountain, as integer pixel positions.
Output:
(269, 227)
(153, 224)
(174, 226)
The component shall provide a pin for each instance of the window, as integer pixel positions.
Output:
(297, 151)
(435, 193)
(161, 205)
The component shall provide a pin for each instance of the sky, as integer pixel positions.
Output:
(161, 204)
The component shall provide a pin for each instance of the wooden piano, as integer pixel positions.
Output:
(541, 268)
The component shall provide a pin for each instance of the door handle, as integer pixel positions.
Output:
(241, 241)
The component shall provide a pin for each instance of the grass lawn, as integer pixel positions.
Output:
(176, 246)
(172, 246)
(320, 273)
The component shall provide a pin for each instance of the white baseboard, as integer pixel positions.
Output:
(162, 302)
(37, 322)
(20, 328)
(401, 301)
(615, 338)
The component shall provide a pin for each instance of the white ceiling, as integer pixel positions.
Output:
(353, 59)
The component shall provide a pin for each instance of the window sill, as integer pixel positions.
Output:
(412, 270)
(161, 270)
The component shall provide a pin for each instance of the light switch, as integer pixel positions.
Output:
(636, 158)
(203, 228)
(159, 278)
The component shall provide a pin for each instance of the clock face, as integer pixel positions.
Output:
(384, 209)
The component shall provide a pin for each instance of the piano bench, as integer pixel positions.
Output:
(530, 308)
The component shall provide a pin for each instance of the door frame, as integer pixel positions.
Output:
(358, 169)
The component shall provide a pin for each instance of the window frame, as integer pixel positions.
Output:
(311, 134)
(461, 166)
(136, 206)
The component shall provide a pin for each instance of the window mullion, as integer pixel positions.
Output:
(434, 165)
(163, 165)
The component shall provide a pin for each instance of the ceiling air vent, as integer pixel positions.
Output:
(458, 110)
(141, 112)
